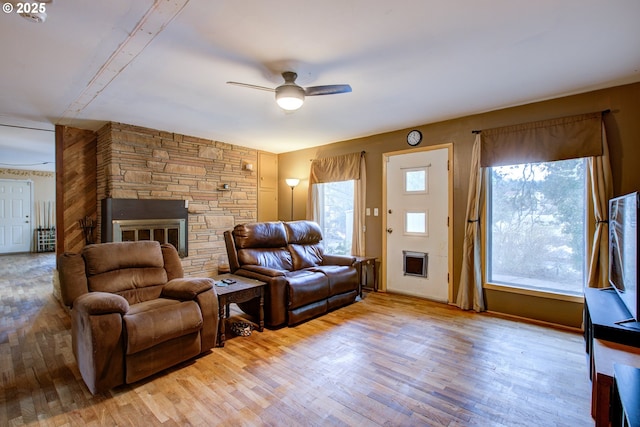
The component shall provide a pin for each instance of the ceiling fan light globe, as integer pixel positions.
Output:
(290, 97)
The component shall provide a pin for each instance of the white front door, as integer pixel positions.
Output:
(417, 234)
(15, 216)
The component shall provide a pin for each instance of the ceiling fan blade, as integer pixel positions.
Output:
(326, 90)
(268, 89)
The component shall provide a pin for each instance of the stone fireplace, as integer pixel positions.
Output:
(162, 171)
(165, 221)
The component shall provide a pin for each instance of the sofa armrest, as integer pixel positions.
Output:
(202, 291)
(186, 288)
(347, 260)
(73, 278)
(95, 303)
(97, 339)
(264, 271)
(208, 302)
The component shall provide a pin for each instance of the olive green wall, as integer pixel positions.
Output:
(623, 130)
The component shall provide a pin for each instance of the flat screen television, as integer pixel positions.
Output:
(623, 251)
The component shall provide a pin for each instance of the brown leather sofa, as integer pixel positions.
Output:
(302, 281)
(132, 312)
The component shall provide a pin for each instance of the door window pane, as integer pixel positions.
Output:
(415, 223)
(537, 226)
(415, 180)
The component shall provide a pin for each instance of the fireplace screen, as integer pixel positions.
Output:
(415, 263)
(162, 230)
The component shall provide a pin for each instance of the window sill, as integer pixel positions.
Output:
(534, 292)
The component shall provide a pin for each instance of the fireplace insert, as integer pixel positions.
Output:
(164, 221)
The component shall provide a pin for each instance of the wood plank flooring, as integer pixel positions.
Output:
(384, 361)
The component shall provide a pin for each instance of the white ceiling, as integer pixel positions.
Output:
(165, 65)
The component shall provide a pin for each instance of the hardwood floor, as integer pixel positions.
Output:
(386, 360)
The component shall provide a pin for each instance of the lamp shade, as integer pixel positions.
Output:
(292, 182)
(289, 97)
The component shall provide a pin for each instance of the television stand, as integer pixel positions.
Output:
(606, 318)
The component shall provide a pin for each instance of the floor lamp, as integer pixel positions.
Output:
(292, 182)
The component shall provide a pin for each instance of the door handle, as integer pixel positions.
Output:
(389, 230)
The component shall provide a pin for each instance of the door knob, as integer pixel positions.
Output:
(389, 230)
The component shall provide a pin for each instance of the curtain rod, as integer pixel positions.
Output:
(608, 110)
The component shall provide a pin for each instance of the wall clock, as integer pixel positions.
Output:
(414, 137)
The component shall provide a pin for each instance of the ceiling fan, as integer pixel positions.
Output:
(290, 96)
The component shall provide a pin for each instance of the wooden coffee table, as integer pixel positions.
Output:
(242, 290)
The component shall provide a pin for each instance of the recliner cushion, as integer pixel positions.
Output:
(127, 279)
(126, 268)
(105, 257)
(152, 322)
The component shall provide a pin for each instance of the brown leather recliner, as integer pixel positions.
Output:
(302, 281)
(132, 312)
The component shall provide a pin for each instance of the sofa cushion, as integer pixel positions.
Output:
(260, 235)
(305, 256)
(152, 322)
(305, 287)
(303, 232)
(274, 258)
(341, 278)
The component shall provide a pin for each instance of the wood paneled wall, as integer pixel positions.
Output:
(75, 185)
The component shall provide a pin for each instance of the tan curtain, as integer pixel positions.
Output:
(470, 294)
(543, 141)
(334, 169)
(341, 168)
(359, 194)
(313, 207)
(601, 192)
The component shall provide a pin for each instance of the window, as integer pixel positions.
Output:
(537, 226)
(415, 222)
(336, 216)
(415, 180)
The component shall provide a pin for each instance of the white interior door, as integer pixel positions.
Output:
(417, 210)
(15, 216)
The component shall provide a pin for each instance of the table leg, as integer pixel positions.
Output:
(360, 279)
(375, 276)
(221, 322)
(261, 312)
